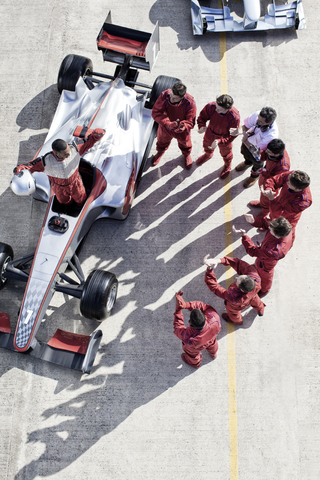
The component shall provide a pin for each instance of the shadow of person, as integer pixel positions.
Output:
(29, 148)
(137, 362)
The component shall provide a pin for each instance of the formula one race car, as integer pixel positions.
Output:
(110, 170)
(289, 15)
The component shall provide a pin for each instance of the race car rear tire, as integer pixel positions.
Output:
(6, 255)
(72, 68)
(147, 152)
(99, 295)
(162, 83)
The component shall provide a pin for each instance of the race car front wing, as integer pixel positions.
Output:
(67, 349)
(289, 15)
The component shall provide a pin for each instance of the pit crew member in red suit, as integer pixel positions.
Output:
(258, 130)
(204, 326)
(62, 167)
(242, 293)
(277, 161)
(221, 116)
(276, 244)
(294, 197)
(175, 112)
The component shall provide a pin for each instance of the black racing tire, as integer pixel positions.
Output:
(146, 153)
(72, 68)
(162, 83)
(6, 255)
(99, 295)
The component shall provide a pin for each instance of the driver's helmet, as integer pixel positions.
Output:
(23, 184)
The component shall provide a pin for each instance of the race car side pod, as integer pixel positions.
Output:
(71, 350)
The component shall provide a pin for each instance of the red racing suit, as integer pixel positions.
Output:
(287, 204)
(268, 254)
(193, 340)
(164, 113)
(64, 176)
(234, 298)
(219, 129)
(271, 169)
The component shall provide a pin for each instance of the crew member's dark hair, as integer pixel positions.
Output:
(281, 227)
(179, 89)
(276, 146)
(269, 114)
(59, 145)
(299, 179)
(247, 284)
(197, 319)
(225, 101)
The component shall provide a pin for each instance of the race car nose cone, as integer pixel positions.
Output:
(252, 9)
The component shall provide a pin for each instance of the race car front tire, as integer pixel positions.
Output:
(72, 68)
(6, 255)
(99, 295)
(161, 84)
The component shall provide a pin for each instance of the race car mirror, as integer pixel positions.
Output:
(58, 224)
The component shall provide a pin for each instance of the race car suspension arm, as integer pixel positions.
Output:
(72, 287)
(16, 268)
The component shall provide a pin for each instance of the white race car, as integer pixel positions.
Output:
(288, 15)
(110, 170)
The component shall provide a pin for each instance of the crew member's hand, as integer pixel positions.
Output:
(181, 127)
(180, 303)
(214, 144)
(249, 218)
(172, 125)
(18, 169)
(241, 231)
(268, 193)
(99, 132)
(234, 132)
(211, 262)
(202, 129)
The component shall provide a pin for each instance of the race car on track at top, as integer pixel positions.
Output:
(110, 171)
(287, 15)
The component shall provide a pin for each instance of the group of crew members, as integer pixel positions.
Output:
(284, 194)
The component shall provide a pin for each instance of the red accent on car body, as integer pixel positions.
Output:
(5, 326)
(72, 342)
(124, 45)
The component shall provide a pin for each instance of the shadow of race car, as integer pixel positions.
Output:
(111, 171)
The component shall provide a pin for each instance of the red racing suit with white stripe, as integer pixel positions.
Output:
(63, 174)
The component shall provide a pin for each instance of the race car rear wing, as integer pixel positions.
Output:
(117, 42)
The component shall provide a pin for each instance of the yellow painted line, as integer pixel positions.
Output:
(231, 344)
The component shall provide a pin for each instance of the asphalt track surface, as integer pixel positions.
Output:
(253, 413)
